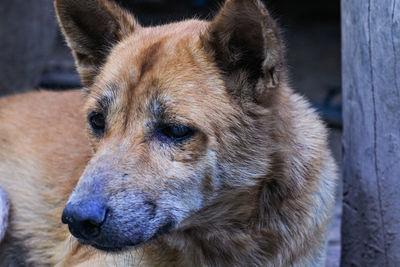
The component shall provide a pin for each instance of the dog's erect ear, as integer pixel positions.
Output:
(246, 44)
(91, 28)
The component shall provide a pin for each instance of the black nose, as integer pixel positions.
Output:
(84, 219)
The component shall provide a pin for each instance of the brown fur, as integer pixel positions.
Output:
(254, 184)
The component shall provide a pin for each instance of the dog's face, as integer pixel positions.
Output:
(168, 111)
(149, 122)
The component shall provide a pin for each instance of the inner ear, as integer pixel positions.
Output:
(245, 42)
(244, 51)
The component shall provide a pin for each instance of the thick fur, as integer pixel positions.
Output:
(252, 186)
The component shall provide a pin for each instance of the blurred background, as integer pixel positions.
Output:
(33, 55)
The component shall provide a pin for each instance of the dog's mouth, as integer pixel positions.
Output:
(110, 249)
(104, 248)
(115, 248)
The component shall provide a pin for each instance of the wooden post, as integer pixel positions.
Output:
(371, 138)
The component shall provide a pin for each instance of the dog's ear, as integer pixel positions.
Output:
(246, 44)
(91, 28)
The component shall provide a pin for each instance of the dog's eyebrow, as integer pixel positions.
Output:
(157, 108)
(107, 96)
(160, 108)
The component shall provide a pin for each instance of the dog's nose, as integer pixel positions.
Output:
(84, 219)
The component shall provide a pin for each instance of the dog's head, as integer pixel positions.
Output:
(175, 115)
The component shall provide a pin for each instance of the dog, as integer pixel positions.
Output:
(186, 147)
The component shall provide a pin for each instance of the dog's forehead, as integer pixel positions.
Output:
(165, 60)
(180, 29)
(153, 46)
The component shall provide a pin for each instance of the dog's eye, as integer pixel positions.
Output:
(97, 122)
(176, 132)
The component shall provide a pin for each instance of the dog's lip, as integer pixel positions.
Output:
(165, 229)
(109, 249)
(103, 248)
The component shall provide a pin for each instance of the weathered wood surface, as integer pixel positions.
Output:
(371, 112)
(27, 34)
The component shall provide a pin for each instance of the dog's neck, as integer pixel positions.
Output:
(227, 232)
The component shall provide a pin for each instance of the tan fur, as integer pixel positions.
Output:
(255, 182)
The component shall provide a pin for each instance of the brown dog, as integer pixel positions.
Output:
(200, 154)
